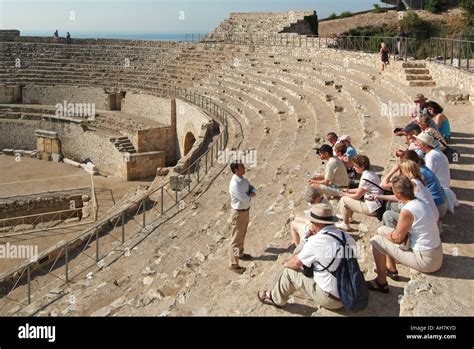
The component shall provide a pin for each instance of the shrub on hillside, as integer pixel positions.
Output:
(345, 14)
(418, 28)
(333, 16)
(468, 7)
(378, 9)
(436, 6)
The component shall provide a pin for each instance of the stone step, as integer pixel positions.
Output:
(422, 83)
(418, 77)
(416, 71)
(413, 65)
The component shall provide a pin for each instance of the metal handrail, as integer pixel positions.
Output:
(456, 53)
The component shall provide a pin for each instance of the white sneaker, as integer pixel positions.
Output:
(342, 226)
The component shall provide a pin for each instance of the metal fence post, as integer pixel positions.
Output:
(445, 50)
(176, 188)
(144, 211)
(189, 180)
(431, 48)
(123, 227)
(452, 52)
(97, 244)
(162, 209)
(66, 263)
(28, 272)
(212, 155)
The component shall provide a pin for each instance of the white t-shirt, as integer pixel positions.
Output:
(424, 233)
(437, 162)
(372, 205)
(323, 248)
(422, 193)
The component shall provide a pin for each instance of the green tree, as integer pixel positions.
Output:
(345, 14)
(436, 6)
(468, 7)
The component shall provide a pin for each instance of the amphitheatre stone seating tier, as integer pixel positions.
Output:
(114, 67)
(269, 23)
(9, 35)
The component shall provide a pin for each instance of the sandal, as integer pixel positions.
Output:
(391, 274)
(266, 298)
(380, 287)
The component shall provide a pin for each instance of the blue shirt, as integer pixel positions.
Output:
(433, 185)
(351, 152)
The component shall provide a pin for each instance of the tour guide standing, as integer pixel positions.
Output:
(241, 193)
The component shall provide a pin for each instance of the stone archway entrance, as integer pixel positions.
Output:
(189, 141)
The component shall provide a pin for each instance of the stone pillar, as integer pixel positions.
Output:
(172, 158)
(173, 115)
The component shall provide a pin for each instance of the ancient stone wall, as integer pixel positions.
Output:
(91, 41)
(189, 117)
(449, 76)
(143, 165)
(157, 139)
(77, 144)
(18, 207)
(51, 95)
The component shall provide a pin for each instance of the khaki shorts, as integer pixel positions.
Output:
(422, 261)
(330, 190)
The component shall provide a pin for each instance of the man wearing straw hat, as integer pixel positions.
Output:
(319, 255)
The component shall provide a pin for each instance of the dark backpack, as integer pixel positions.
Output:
(351, 285)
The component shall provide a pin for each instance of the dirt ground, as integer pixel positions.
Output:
(108, 191)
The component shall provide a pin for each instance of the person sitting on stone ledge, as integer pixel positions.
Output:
(435, 111)
(300, 226)
(438, 163)
(340, 151)
(414, 242)
(318, 252)
(428, 126)
(331, 137)
(411, 170)
(360, 199)
(411, 131)
(346, 140)
(432, 183)
(335, 176)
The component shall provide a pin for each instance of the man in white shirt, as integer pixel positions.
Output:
(241, 192)
(319, 254)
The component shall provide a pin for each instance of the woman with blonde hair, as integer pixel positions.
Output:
(384, 55)
(410, 169)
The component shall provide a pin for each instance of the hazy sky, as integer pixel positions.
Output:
(148, 16)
